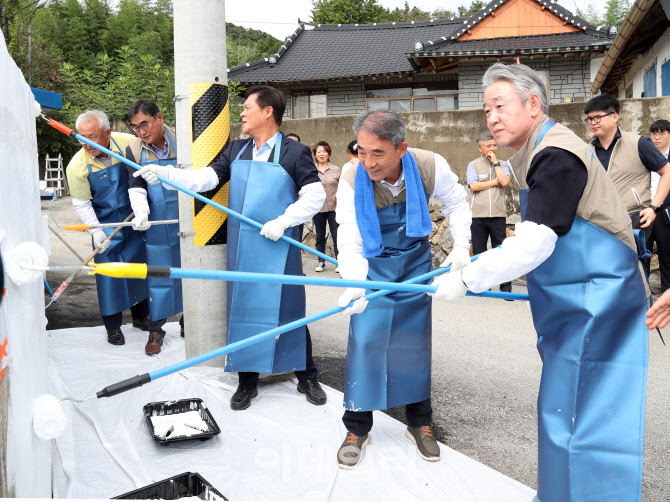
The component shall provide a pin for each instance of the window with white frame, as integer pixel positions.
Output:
(413, 99)
(309, 106)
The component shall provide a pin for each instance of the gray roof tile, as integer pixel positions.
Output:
(332, 51)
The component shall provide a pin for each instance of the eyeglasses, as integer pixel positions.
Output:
(143, 126)
(658, 135)
(596, 118)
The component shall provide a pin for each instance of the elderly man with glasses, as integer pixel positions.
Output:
(156, 144)
(629, 159)
(99, 188)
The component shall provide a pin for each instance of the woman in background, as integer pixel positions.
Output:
(329, 174)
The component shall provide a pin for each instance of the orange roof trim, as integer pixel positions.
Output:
(518, 18)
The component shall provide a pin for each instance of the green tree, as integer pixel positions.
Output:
(474, 7)
(615, 13)
(348, 11)
(409, 14)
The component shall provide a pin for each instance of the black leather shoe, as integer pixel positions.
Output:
(115, 336)
(243, 395)
(313, 391)
(142, 323)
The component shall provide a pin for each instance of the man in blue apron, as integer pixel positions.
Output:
(156, 144)
(266, 174)
(99, 188)
(382, 210)
(587, 295)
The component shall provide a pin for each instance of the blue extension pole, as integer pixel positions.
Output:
(196, 195)
(139, 380)
(230, 275)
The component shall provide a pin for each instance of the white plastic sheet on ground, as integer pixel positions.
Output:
(280, 448)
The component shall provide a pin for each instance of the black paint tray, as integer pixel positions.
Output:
(180, 406)
(189, 484)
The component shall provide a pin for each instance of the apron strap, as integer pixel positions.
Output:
(118, 147)
(90, 167)
(545, 128)
(277, 148)
(171, 140)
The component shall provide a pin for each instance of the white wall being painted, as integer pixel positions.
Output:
(658, 55)
(22, 310)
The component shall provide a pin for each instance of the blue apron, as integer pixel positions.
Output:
(262, 191)
(589, 314)
(165, 296)
(389, 350)
(111, 204)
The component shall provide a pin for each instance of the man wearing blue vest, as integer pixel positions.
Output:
(384, 223)
(99, 188)
(587, 296)
(156, 144)
(267, 173)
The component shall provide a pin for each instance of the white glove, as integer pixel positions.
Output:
(141, 222)
(450, 287)
(353, 294)
(99, 239)
(274, 229)
(458, 258)
(149, 173)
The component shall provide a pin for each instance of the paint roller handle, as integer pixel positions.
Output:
(61, 127)
(123, 386)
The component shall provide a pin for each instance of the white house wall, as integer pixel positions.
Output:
(657, 55)
(22, 318)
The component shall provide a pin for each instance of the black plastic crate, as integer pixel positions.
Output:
(176, 407)
(189, 484)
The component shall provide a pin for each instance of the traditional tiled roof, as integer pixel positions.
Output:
(344, 51)
(588, 38)
(533, 44)
(320, 52)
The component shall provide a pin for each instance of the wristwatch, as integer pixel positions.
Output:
(497, 164)
(655, 208)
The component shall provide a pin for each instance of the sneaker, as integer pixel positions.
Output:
(350, 453)
(426, 446)
(337, 270)
(320, 267)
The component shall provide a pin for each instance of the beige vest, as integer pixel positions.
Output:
(425, 161)
(488, 203)
(600, 204)
(631, 179)
(137, 145)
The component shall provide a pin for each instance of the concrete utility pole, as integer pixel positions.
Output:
(199, 57)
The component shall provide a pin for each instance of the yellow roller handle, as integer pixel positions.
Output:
(81, 226)
(117, 269)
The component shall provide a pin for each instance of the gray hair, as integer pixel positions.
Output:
(485, 136)
(525, 80)
(385, 124)
(97, 115)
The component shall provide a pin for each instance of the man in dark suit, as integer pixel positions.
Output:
(266, 174)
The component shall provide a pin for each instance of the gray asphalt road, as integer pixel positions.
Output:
(486, 370)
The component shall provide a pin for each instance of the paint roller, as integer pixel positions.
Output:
(142, 271)
(69, 132)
